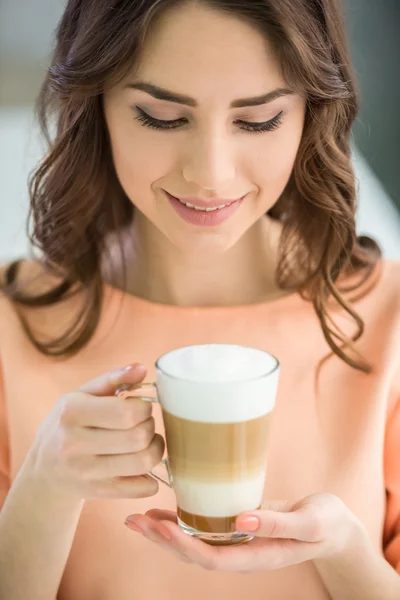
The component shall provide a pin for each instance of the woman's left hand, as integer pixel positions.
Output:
(317, 527)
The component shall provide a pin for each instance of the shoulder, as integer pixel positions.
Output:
(391, 278)
(381, 314)
(381, 305)
(389, 292)
(380, 294)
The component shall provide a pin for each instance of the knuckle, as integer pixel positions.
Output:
(67, 447)
(125, 415)
(277, 528)
(148, 461)
(141, 409)
(144, 434)
(152, 455)
(65, 408)
(156, 448)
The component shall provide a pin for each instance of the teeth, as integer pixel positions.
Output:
(201, 208)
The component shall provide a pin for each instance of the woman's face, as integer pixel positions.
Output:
(210, 153)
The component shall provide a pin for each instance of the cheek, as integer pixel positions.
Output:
(139, 159)
(276, 162)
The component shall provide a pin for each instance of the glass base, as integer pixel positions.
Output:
(216, 539)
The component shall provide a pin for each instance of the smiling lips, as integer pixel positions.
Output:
(205, 213)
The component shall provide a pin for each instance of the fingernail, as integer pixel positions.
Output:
(118, 371)
(249, 523)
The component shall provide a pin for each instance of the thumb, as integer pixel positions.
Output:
(107, 383)
(279, 519)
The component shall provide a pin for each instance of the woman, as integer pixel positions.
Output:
(198, 189)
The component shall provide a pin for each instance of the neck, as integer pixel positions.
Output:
(159, 272)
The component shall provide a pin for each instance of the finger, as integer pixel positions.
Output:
(211, 558)
(159, 533)
(90, 440)
(106, 412)
(162, 515)
(155, 532)
(257, 555)
(141, 486)
(296, 525)
(106, 384)
(121, 465)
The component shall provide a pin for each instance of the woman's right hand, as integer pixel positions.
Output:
(94, 444)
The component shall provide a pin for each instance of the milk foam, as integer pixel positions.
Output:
(217, 363)
(217, 383)
(219, 499)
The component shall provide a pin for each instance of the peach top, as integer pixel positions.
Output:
(345, 439)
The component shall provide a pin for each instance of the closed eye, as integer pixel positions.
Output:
(148, 121)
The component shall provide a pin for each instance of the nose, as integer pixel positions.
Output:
(209, 162)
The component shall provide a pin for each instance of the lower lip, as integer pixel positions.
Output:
(202, 217)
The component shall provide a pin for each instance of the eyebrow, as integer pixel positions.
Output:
(163, 94)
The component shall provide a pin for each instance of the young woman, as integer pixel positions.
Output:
(198, 188)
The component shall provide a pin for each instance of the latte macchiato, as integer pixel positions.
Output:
(217, 403)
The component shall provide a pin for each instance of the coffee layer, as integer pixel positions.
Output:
(213, 499)
(209, 524)
(216, 452)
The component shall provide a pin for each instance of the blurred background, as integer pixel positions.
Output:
(26, 38)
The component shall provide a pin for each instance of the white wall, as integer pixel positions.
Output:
(21, 148)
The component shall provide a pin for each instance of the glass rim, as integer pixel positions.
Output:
(270, 371)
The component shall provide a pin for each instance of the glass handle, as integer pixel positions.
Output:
(168, 481)
(123, 391)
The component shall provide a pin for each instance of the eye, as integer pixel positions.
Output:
(148, 121)
(270, 125)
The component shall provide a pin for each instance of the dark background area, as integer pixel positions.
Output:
(374, 34)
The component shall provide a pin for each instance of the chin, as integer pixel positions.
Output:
(208, 244)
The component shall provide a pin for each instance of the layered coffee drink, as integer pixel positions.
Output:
(218, 469)
(217, 403)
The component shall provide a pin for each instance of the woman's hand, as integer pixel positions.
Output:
(96, 445)
(319, 526)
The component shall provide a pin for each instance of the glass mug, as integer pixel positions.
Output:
(217, 402)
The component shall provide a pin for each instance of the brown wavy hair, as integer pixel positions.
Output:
(77, 200)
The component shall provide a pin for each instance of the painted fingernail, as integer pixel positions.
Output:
(126, 369)
(249, 523)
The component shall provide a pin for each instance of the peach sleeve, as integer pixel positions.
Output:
(4, 448)
(391, 540)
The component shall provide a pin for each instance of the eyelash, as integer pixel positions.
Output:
(147, 121)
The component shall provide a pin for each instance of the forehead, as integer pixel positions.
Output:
(207, 53)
